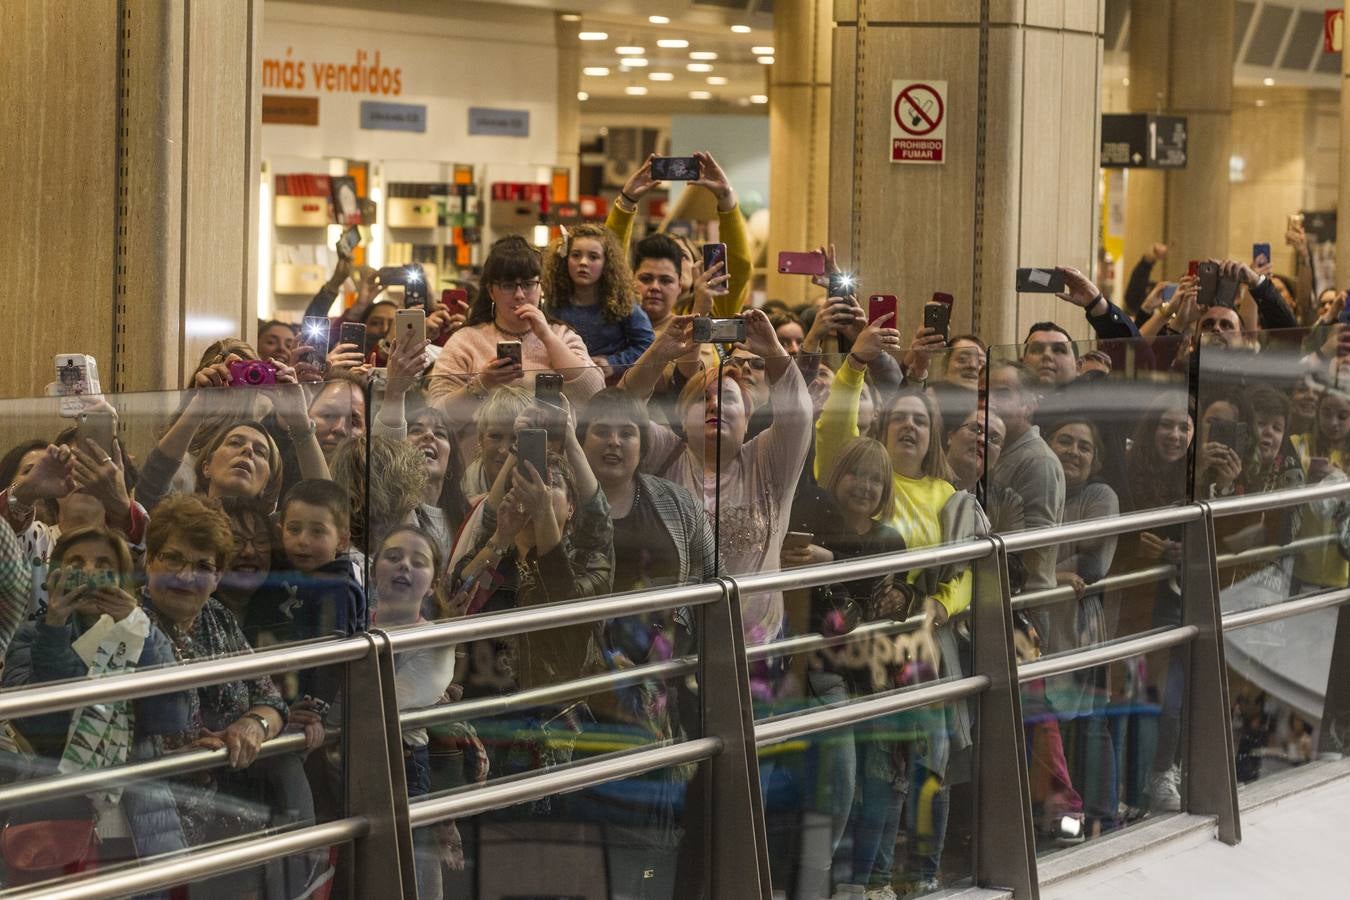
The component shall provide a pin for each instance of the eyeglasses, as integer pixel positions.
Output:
(511, 287)
(994, 440)
(202, 568)
(752, 362)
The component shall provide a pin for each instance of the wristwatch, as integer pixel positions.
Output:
(267, 729)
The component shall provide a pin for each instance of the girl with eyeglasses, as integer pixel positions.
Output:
(507, 308)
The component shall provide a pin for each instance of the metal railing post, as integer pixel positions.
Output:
(381, 862)
(1005, 845)
(1210, 785)
(734, 821)
(1336, 701)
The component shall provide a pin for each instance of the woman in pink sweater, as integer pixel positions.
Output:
(507, 308)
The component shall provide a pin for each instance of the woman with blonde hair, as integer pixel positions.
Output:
(589, 286)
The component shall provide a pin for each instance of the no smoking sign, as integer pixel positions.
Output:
(918, 121)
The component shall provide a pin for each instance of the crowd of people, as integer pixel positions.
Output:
(568, 436)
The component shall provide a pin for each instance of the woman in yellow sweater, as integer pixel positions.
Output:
(730, 231)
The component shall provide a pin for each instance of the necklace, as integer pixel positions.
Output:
(514, 334)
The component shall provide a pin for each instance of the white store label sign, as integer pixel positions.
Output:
(918, 121)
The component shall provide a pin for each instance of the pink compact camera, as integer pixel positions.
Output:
(252, 373)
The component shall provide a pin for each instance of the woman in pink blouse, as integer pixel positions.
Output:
(507, 308)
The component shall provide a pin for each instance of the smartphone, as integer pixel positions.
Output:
(841, 284)
(879, 305)
(1169, 291)
(718, 331)
(548, 388)
(937, 313)
(456, 300)
(796, 540)
(1039, 281)
(98, 427)
(510, 350)
(712, 255)
(353, 333)
(1208, 273)
(410, 326)
(76, 376)
(1344, 317)
(1295, 221)
(1227, 293)
(349, 241)
(532, 447)
(794, 263)
(1232, 435)
(675, 168)
(414, 286)
(1260, 255)
(1193, 268)
(314, 332)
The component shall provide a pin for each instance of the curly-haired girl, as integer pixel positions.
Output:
(589, 286)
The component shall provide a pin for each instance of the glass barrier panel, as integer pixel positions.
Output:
(1284, 684)
(1104, 744)
(638, 837)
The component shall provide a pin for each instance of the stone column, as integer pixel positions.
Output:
(1019, 184)
(569, 107)
(799, 138)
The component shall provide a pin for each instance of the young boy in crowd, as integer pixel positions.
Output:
(322, 596)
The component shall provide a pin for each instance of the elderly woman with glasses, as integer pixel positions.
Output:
(507, 310)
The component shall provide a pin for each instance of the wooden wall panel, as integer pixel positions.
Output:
(58, 142)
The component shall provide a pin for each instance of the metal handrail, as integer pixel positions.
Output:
(864, 567)
(467, 710)
(1033, 538)
(1285, 610)
(55, 787)
(192, 865)
(825, 718)
(1232, 506)
(805, 643)
(48, 698)
(552, 615)
(1047, 596)
(560, 781)
(1104, 654)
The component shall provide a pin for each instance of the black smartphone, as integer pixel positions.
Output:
(1232, 435)
(349, 241)
(314, 332)
(415, 287)
(1227, 292)
(675, 168)
(532, 447)
(1208, 274)
(1260, 255)
(1040, 281)
(841, 284)
(718, 331)
(510, 350)
(712, 255)
(937, 316)
(548, 388)
(353, 333)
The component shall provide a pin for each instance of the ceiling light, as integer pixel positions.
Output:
(595, 71)
(740, 29)
(716, 79)
(702, 54)
(658, 20)
(1268, 82)
(632, 62)
(635, 90)
(571, 17)
(764, 60)
(700, 95)
(672, 43)
(582, 95)
(758, 98)
(762, 51)
(699, 67)
(593, 36)
(661, 76)
(630, 51)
